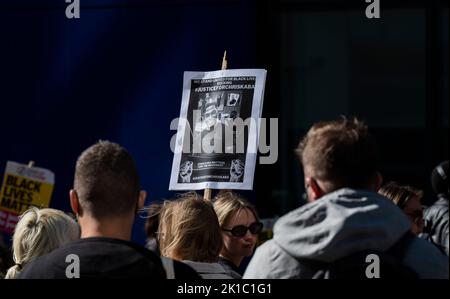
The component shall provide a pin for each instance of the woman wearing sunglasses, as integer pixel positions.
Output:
(240, 228)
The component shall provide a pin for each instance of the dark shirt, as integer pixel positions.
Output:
(184, 271)
(98, 258)
(231, 268)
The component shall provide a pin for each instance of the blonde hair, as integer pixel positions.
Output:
(37, 233)
(189, 230)
(228, 204)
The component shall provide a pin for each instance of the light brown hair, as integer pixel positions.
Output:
(189, 230)
(340, 152)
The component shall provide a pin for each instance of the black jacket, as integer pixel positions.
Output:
(97, 258)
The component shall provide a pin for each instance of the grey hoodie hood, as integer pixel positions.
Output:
(339, 224)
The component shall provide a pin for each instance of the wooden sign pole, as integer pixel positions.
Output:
(207, 191)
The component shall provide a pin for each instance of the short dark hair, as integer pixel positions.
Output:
(106, 180)
(341, 152)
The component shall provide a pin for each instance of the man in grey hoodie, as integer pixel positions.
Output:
(344, 215)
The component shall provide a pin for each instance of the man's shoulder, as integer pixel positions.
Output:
(49, 266)
(271, 261)
(96, 256)
(426, 260)
(268, 248)
(89, 247)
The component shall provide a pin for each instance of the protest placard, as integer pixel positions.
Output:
(23, 186)
(217, 137)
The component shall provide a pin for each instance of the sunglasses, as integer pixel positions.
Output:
(241, 230)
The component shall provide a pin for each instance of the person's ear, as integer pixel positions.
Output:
(141, 200)
(378, 181)
(74, 202)
(313, 189)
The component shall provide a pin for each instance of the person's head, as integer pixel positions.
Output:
(106, 183)
(439, 179)
(37, 233)
(338, 154)
(408, 199)
(189, 230)
(240, 225)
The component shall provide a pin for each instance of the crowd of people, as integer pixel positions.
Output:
(350, 214)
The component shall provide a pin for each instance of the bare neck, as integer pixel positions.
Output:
(116, 228)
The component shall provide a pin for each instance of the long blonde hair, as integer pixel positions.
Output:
(37, 233)
(189, 230)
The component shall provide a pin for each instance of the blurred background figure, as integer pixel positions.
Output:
(436, 216)
(151, 227)
(408, 199)
(240, 228)
(39, 232)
